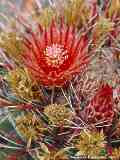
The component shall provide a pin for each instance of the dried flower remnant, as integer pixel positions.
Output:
(58, 114)
(115, 154)
(12, 44)
(58, 155)
(22, 86)
(45, 17)
(102, 28)
(55, 56)
(77, 12)
(90, 143)
(51, 154)
(113, 11)
(30, 126)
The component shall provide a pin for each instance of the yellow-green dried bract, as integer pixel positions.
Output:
(90, 143)
(46, 16)
(29, 126)
(12, 44)
(104, 25)
(22, 86)
(58, 114)
(114, 8)
(77, 12)
(49, 154)
(101, 29)
(115, 154)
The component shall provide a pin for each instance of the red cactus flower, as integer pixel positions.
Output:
(55, 55)
(100, 107)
